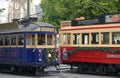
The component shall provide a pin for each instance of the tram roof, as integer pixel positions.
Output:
(99, 26)
(31, 27)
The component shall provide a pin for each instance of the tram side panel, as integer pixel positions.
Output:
(41, 57)
(71, 55)
(35, 57)
(12, 56)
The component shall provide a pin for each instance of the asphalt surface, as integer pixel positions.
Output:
(51, 72)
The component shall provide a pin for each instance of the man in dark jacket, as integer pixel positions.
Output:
(57, 64)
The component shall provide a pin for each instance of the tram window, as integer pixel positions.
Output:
(76, 38)
(1, 40)
(13, 39)
(95, 38)
(105, 38)
(20, 40)
(7, 40)
(49, 39)
(85, 38)
(116, 38)
(33, 39)
(66, 38)
(28, 39)
(60, 39)
(41, 39)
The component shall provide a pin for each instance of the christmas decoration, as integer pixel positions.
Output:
(105, 49)
(50, 55)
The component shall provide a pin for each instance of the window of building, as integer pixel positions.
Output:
(94, 38)
(13, 40)
(105, 38)
(116, 38)
(85, 38)
(76, 38)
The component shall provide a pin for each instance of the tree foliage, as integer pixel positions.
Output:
(55, 11)
(1, 10)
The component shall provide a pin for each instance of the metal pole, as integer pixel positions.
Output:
(28, 8)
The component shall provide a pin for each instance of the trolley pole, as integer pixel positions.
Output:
(28, 8)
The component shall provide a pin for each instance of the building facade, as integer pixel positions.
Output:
(18, 9)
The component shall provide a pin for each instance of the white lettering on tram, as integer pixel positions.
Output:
(113, 55)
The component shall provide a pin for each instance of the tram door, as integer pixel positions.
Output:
(30, 47)
(42, 43)
(46, 43)
(35, 44)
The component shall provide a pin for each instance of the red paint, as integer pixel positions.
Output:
(91, 56)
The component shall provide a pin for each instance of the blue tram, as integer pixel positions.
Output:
(27, 48)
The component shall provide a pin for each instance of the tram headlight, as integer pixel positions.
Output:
(40, 59)
(40, 50)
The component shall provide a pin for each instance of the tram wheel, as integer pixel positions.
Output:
(102, 70)
(80, 69)
(20, 71)
(93, 70)
(33, 71)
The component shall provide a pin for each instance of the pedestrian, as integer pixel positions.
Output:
(56, 64)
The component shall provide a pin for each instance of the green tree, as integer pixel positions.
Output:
(1, 10)
(55, 11)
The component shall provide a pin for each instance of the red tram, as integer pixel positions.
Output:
(92, 45)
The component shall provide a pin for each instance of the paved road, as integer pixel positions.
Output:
(52, 73)
(57, 75)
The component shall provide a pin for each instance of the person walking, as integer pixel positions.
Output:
(56, 64)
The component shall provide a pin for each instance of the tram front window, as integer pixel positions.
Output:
(49, 39)
(41, 39)
(46, 39)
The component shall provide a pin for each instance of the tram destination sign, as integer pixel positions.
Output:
(47, 29)
(85, 22)
(112, 18)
